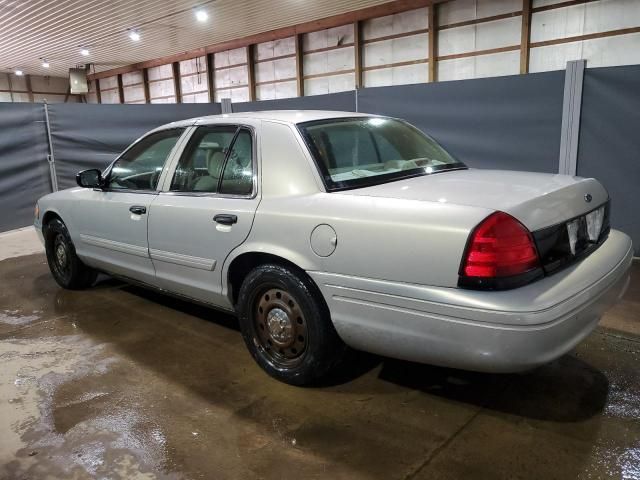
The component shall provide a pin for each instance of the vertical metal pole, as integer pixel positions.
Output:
(50, 157)
(571, 106)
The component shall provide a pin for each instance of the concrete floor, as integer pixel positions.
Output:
(116, 382)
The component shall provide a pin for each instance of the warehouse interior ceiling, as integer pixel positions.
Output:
(58, 30)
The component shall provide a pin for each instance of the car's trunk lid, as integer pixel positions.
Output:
(538, 200)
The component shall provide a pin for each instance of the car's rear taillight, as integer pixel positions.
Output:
(500, 254)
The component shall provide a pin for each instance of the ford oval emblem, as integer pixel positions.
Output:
(588, 197)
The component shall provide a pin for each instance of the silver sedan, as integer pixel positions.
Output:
(329, 230)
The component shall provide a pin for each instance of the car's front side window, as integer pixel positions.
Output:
(362, 151)
(218, 159)
(139, 168)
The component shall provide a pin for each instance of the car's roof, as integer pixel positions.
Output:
(286, 116)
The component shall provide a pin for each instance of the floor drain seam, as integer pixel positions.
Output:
(442, 446)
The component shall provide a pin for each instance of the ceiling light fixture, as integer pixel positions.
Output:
(45, 64)
(18, 73)
(134, 35)
(201, 15)
(84, 52)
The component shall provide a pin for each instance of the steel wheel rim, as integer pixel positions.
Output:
(61, 260)
(281, 327)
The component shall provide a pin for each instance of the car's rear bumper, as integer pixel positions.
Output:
(504, 331)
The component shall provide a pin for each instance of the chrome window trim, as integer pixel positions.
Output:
(254, 165)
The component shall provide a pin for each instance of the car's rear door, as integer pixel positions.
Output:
(205, 210)
(112, 222)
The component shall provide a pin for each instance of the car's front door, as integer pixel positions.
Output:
(205, 211)
(112, 222)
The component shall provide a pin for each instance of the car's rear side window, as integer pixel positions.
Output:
(218, 159)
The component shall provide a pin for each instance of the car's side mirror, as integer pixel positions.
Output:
(91, 178)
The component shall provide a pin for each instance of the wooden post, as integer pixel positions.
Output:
(251, 73)
(98, 95)
(145, 85)
(29, 89)
(357, 36)
(120, 88)
(299, 65)
(433, 43)
(525, 37)
(211, 83)
(177, 86)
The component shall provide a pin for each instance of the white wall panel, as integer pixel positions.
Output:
(330, 61)
(465, 10)
(133, 94)
(108, 82)
(193, 83)
(158, 73)
(131, 78)
(493, 65)
(401, 75)
(202, 97)
(402, 49)
(109, 96)
(544, 3)
(276, 48)
(48, 84)
(52, 98)
(483, 36)
(329, 84)
(404, 22)
(233, 76)
(194, 65)
(277, 90)
(599, 52)
(592, 17)
(235, 94)
(19, 83)
(230, 57)
(283, 68)
(5, 96)
(4, 81)
(164, 100)
(20, 97)
(328, 38)
(161, 88)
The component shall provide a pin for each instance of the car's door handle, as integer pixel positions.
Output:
(138, 209)
(225, 219)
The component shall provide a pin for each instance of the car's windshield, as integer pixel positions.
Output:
(362, 151)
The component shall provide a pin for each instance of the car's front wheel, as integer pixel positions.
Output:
(67, 269)
(286, 325)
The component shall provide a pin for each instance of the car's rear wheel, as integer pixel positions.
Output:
(286, 325)
(67, 269)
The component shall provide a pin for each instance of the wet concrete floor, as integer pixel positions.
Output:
(117, 382)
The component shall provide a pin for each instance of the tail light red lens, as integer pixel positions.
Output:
(500, 247)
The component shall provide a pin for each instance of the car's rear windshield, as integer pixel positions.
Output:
(364, 151)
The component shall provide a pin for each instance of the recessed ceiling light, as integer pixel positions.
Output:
(201, 15)
(84, 52)
(45, 64)
(134, 35)
(18, 73)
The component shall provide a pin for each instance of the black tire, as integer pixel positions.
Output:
(67, 269)
(299, 347)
